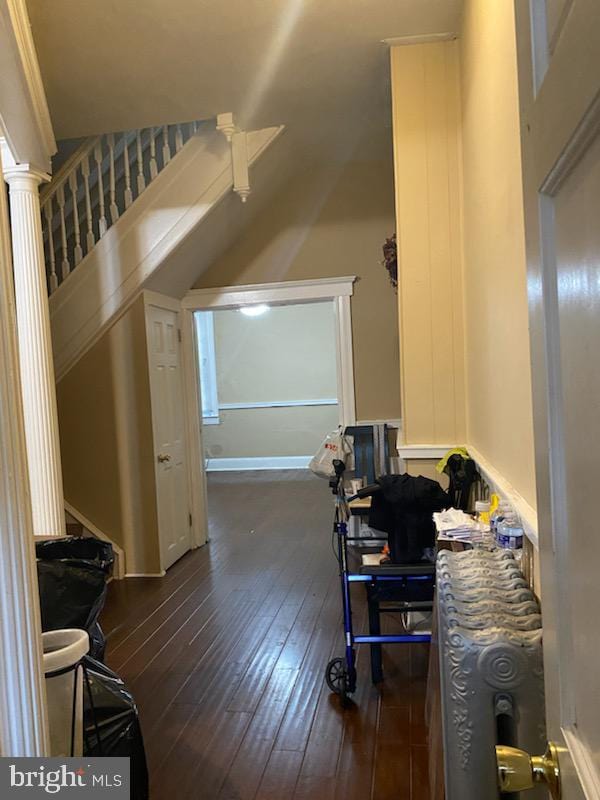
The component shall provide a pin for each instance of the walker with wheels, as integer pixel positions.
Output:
(405, 588)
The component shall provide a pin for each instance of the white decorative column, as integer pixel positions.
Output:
(35, 348)
(23, 719)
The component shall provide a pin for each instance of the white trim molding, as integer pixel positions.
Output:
(274, 293)
(326, 401)
(437, 451)
(259, 462)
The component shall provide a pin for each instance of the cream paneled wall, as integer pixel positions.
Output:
(464, 339)
(499, 406)
(427, 164)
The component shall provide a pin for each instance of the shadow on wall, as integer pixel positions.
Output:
(330, 221)
(106, 440)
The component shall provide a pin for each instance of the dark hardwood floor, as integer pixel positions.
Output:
(226, 654)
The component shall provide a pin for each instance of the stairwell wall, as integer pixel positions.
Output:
(105, 422)
(327, 221)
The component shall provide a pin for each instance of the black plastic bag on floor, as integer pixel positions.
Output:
(111, 725)
(72, 574)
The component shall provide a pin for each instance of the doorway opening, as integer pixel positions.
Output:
(269, 372)
(268, 382)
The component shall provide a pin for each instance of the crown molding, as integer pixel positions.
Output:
(24, 112)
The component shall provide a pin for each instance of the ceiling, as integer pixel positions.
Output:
(317, 66)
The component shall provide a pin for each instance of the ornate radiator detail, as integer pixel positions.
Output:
(491, 670)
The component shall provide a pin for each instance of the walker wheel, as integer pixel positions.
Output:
(336, 676)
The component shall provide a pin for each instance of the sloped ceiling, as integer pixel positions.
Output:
(317, 66)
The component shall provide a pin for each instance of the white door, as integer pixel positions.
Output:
(559, 77)
(166, 390)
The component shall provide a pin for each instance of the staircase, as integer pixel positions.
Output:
(117, 213)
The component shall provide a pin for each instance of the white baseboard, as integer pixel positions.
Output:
(426, 451)
(119, 570)
(160, 574)
(266, 462)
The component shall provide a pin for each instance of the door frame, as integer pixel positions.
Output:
(337, 290)
(197, 530)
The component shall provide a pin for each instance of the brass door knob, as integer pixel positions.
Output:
(162, 458)
(517, 770)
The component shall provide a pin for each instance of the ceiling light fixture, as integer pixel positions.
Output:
(255, 311)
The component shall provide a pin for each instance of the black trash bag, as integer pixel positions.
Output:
(72, 574)
(111, 725)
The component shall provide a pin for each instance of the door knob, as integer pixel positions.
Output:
(162, 457)
(517, 770)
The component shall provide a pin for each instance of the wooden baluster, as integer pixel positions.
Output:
(77, 251)
(53, 278)
(141, 181)
(194, 127)
(102, 224)
(153, 164)
(128, 194)
(65, 267)
(166, 149)
(178, 138)
(90, 240)
(113, 208)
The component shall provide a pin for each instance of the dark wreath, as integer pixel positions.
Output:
(390, 259)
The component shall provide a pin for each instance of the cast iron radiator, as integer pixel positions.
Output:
(491, 672)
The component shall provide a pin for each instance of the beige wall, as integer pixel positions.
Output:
(332, 221)
(426, 118)
(106, 440)
(268, 432)
(286, 354)
(499, 412)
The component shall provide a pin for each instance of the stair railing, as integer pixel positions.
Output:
(96, 186)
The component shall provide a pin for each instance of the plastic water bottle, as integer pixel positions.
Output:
(509, 534)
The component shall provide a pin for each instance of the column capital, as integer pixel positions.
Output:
(23, 176)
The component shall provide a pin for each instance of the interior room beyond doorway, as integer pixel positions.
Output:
(269, 389)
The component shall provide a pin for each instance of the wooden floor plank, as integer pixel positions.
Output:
(226, 657)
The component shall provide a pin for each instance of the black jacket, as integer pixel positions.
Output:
(403, 508)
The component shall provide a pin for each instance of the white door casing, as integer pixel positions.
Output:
(338, 290)
(559, 85)
(168, 424)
